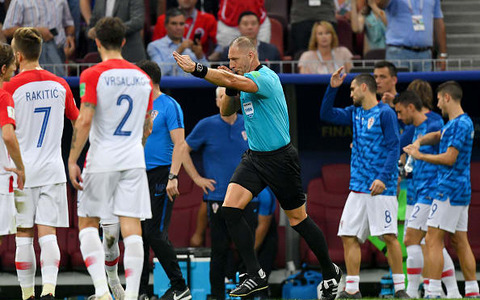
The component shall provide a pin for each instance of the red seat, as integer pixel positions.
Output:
(277, 35)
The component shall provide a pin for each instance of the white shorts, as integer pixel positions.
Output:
(419, 216)
(111, 219)
(448, 217)
(120, 193)
(42, 205)
(7, 214)
(408, 213)
(365, 215)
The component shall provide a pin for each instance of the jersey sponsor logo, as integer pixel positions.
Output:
(371, 120)
(11, 112)
(244, 135)
(248, 109)
(42, 94)
(154, 114)
(82, 89)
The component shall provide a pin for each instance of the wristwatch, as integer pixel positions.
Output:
(172, 176)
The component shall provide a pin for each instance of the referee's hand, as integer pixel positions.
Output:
(377, 187)
(184, 62)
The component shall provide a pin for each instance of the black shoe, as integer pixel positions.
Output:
(345, 295)
(46, 297)
(143, 297)
(250, 285)
(329, 287)
(402, 294)
(172, 294)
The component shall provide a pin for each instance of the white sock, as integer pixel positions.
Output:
(352, 283)
(26, 265)
(133, 263)
(448, 276)
(94, 258)
(398, 282)
(414, 269)
(426, 283)
(471, 288)
(435, 288)
(49, 261)
(111, 233)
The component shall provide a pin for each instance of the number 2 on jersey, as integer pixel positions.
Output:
(119, 130)
(46, 111)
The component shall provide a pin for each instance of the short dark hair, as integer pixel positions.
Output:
(6, 55)
(172, 13)
(28, 41)
(386, 64)
(409, 97)
(152, 69)
(247, 13)
(110, 31)
(368, 79)
(423, 90)
(452, 88)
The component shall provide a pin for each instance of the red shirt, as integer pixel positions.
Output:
(205, 24)
(230, 10)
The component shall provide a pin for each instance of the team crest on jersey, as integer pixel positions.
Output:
(371, 120)
(154, 114)
(244, 135)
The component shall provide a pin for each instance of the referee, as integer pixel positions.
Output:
(271, 160)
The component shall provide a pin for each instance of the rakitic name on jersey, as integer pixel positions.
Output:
(125, 80)
(42, 95)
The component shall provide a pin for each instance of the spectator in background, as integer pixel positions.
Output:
(373, 21)
(160, 51)
(86, 7)
(249, 26)
(199, 26)
(411, 28)
(229, 13)
(132, 13)
(55, 23)
(324, 56)
(303, 14)
(385, 74)
(208, 6)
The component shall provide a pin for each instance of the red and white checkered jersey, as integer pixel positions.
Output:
(7, 116)
(41, 100)
(122, 94)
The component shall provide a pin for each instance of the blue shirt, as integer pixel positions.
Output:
(454, 181)
(266, 202)
(424, 180)
(375, 150)
(400, 25)
(222, 146)
(167, 115)
(161, 52)
(266, 114)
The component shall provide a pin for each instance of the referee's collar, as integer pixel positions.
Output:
(258, 68)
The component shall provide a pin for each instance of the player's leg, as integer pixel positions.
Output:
(465, 254)
(111, 234)
(156, 234)
(448, 276)
(133, 256)
(51, 213)
(25, 261)
(434, 246)
(415, 261)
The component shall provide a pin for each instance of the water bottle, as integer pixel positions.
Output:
(409, 165)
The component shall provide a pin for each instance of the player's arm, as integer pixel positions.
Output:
(147, 127)
(11, 142)
(79, 138)
(229, 105)
(447, 158)
(178, 137)
(204, 183)
(262, 230)
(221, 76)
(389, 125)
(341, 116)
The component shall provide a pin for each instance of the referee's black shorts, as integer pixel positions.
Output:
(278, 169)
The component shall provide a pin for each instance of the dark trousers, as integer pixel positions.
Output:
(221, 242)
(155, 232)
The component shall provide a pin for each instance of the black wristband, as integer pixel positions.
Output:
(231, 92)
(200, 70)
